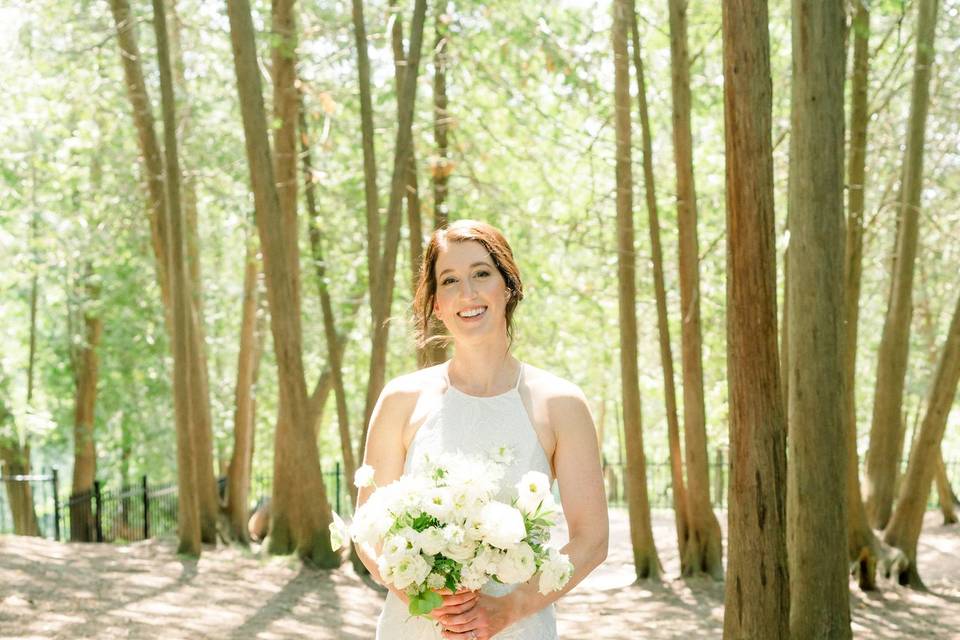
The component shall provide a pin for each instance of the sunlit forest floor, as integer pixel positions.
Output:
(144, 590)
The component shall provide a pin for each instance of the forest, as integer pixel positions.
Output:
(737, 225)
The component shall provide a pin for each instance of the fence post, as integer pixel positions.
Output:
(146, 508)
(96, 497)
(56, 505)
(337, 477)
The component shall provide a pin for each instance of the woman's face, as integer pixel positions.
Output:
(472, 296)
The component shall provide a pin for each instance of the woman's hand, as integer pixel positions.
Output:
(454, 603)
(488, 616)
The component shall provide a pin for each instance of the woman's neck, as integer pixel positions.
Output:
(483, 370)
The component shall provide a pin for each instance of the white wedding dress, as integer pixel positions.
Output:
(475, 426)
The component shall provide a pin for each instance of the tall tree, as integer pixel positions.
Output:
(948, 499)
(886, 433)
(816, 476)
(300, 510)
(85, 362)
(188, 513)
(663, 323)
(757, 591)
(907, 520)
(862, 543)
(645, 560)
(703, 550)
(381, 295)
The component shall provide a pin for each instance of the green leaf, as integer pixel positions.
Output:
(422, 604)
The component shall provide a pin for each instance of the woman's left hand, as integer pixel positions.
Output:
(489, 616)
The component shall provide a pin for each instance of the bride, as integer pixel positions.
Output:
(481, 399)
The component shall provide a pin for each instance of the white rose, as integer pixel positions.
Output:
(517, 564)
(411, 570)
(432, 540)
(533, 489)
(363, 477)
(555, 572)
(457, 544)
(501, 525)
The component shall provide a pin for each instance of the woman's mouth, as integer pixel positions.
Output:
(472, 314)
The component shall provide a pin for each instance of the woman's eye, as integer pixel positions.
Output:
(482, 274)
(447, 281)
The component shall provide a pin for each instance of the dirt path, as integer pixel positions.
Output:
(143, 590)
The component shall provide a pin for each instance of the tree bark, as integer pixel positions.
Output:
(663, 323)
(703, 550)
(886, 437)
(645, 560)
(948, 499)
(300, 511)
(245, 407)
(816, 476)
(907, 520)
(382, 295)
(82, 524)
(757, 590)
(862, 544)
(188, 514)
(200, 418)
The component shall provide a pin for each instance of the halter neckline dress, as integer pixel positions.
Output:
(475, 425)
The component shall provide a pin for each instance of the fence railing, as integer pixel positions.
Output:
(144, 510)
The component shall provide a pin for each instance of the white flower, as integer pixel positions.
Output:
(533, 489)
(555, 572)
(363, 477)
(502, 454)
(431, 540)
(517, 564)
(501, 525)
(338, 532)
(473, 576)
(436, 581)
(438, 502)
(458, 545)
(410, 570)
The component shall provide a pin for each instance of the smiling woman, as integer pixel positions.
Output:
(484, 400)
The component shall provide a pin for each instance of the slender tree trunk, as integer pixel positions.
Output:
(82, 524)
(329, 322)
(299, 509)
(907, 520)
(16, 462)
(188, 514)
(861, 541)
(369, 154)
(244, 431)
(645, 560)
(948, 499)
(703, 551)
(382, 294)
(886, 437)
(199, 377)
(817, 520)
(757, 587)
(663, 324)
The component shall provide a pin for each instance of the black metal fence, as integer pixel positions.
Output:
(130, 513)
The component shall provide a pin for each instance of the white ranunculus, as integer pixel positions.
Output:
(363, 477)
(555, 572)
(501, 525)
(517, 564)
(370, 524)
(410, 570)
(533, 489)
(432, 540)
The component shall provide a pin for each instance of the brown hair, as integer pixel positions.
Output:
(428, 328)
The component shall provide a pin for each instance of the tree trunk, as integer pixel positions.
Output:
(16, 462)
(663, 324)
(382, 294)
(369, 154)
(199, 377)
(334, 352)
(244, 425)
(907, 520)
(886, 437)
(300, 510)
(645, 560)
(188, 514)
(757, 591)
(82, 524)
(703, 551)
(817, 522)
(861, 541)
(948, 499)
(441, 167)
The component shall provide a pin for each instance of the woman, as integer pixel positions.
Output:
(481, 399)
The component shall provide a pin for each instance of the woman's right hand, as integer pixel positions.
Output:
(454, 603)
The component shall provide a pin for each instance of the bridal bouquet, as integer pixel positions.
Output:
(442, 528)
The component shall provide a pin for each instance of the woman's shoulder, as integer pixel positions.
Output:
(413, 383)
(544, 385)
